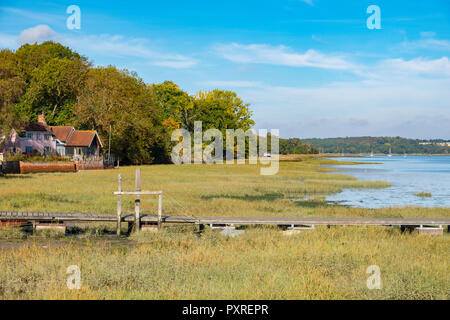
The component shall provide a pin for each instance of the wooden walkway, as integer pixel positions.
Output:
(153, 219)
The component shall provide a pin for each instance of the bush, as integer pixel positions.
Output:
(36, 158)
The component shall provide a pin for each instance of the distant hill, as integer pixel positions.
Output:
(366, 145)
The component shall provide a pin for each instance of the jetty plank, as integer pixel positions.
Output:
(89, 217)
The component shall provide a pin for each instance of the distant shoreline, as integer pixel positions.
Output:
(394, 154)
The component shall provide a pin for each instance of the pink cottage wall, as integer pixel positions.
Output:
(38, 144)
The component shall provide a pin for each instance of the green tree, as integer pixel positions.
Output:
(120, 99)
(54, 88)
(176, 105)
(33, 56)
(12, 87)
(221, 110)
(54, 76)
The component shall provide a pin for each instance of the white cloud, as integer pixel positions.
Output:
(36, 34)
(231, 84)
(120, 47)
(281, 56)
(385, 107)
(428, 41)
(116, 46)
(417, 66)
(176, 64)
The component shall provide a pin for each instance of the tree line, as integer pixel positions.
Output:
(365, 145)
(58, 81)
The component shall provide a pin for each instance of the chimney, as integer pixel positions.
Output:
(41, 118)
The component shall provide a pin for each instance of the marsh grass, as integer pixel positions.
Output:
(259, 264)
(12, 233)
(195, 190)
(180, 263)
(423, 194)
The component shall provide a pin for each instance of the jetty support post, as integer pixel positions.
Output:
(137, 201)
(119, 205)
(160, 210)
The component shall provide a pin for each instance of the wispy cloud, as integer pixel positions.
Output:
(120, 47)
(355, 108)
(105, 45)
(427, 43)
(33, 16)
(417, 66)
(231, 84)
(281, 56)
(392, 97)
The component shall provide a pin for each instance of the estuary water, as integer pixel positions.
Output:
(408, 175)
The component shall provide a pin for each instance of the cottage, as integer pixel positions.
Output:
(83, 144)
(40, 138)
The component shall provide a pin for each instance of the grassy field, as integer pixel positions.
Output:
(179, 263)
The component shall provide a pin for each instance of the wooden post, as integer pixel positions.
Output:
(119, 205)
(137, 201)
(160, 210)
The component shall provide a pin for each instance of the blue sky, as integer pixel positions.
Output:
(310, 68)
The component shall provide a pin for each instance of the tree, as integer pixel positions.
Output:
(176, 105)
(33, 56)
(120, 99)
(12, 87)
(54, 75)
(53, 88)
(221, 110)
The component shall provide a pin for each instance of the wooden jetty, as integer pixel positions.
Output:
(48, 217)
(137, 221)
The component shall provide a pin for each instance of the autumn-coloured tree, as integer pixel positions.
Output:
(176, 105)
(222, 110)
(120, 99)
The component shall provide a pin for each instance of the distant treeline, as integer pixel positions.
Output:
(366, 145)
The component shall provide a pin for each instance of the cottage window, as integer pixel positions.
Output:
(28, 150)
(29, 135)
(47, 137)
(38, 136)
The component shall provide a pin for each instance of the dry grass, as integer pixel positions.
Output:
(260, 264)
(177, 263)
